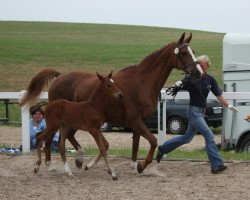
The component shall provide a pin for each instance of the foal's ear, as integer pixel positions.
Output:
(188, 39)
(110, 75)
(181, 38)
(100, 77)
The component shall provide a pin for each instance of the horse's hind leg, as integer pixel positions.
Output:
(97, 158)
(103, 151)
(79, 159)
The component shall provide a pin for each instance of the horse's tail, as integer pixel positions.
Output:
(38, 82)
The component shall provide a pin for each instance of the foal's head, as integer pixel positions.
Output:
(109, 86)
(184, 56)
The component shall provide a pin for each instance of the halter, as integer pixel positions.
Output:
(177, 53)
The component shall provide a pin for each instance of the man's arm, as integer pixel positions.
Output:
(226, 104)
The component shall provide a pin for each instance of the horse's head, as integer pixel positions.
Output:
(110, 87)
(185, 59)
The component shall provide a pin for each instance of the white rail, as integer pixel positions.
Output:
(161, 132)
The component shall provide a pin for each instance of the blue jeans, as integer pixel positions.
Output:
(196, 123)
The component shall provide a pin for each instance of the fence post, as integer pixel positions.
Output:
(161, 119)
(25, 127)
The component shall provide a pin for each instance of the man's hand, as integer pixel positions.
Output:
(232, 108)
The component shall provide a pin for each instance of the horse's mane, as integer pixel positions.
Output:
(149, 57)
(154, 54)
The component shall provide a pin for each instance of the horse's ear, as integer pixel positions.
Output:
(181, 38)
(188, 39)
(100, 77)
(110, 75)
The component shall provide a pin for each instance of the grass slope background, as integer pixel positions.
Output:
(28, 47)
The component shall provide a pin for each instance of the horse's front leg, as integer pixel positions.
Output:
(139, 127)
(135, 146)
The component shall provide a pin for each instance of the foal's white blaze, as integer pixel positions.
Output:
(67, 169)
(112, 81)
(197, 65)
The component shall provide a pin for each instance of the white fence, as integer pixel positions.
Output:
(161, 132)
(25, 116)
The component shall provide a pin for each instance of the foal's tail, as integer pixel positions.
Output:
(38, 82)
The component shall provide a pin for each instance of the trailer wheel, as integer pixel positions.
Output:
(245, 145)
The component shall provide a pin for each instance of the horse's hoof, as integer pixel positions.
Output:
(78, 164)
(114, 178)
(86, 168)
(140, 168)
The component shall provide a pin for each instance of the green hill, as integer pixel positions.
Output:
(28, 47)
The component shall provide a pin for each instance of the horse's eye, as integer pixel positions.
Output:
(184, 53)
(109, 85)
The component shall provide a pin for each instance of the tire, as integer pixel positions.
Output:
(106, 127)
(245, 145)
(176, 125)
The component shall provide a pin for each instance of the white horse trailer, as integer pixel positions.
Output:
(236, 74)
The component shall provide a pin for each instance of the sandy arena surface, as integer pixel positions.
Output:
(167, 180)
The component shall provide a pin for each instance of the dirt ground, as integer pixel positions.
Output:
(167, 180)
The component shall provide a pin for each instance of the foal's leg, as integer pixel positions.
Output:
(79, 159)
(96, 133)
(46, 133)
(97, 158)
(48, 142)
(63, 135)
(39, 138)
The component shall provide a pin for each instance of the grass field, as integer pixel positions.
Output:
(28, 47)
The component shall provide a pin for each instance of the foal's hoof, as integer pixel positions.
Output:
(114, 177)
(86, 168)
(70, 174)
(78, 164)
(140, 168)
(36, 169)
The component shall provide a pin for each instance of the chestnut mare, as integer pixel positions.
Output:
(86, 115)
(140, 85)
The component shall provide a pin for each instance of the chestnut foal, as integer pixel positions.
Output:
(87, 115)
